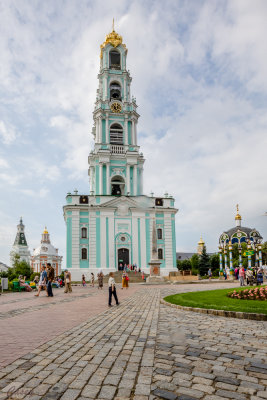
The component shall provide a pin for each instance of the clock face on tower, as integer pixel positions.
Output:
(116, 107)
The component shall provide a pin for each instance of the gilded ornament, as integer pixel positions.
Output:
(114, 39)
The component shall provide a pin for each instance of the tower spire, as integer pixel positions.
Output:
(113, 30)
(238, 216)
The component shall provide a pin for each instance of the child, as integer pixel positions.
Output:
(83, 280)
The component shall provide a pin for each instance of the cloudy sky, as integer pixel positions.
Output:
(199, 77)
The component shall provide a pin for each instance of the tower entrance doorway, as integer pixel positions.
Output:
(123, 258)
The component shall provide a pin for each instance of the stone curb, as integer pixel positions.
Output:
(220, 313)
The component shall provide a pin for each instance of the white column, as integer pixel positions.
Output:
(100, 178)
(141, 180)
(76, 239)
(103, 240)
(92, 240)
(107, 133)
(143, 241)
(135, 239)
(105, 87)
(126, 130)
(168, 241)
(133, 137)
(135, 180)
(128, 185)
(135, 133)
(125, 88)
(107, 178)
(111, 222)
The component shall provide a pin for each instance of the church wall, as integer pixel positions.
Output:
(98, 240)
(75, 239)
(69, 240)
(168, 241)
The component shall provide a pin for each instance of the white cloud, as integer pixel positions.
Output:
(7, 133)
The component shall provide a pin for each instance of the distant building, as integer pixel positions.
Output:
(20, 245)
(46, 253)
(183, 256)
(3, 267)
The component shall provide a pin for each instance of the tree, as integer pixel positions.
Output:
(215, 264)
(195, 264)
(264, 253)
(23, 268)
(204, 262)
(185, 265)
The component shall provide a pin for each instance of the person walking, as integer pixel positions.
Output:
(50, 278)
(100, 278)
(123, 280)
(209, 274)
(42, 282)
(112, 290)
(83, 280)
(67, 279)
(242, 275)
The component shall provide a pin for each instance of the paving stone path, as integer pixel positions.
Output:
(144, 350)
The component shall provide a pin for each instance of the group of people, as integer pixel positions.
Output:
(250, 275)
(100, 279)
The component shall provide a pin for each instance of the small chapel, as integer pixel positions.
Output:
(113, 225)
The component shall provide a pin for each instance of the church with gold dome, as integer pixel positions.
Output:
(112, 226)
(46, 253)
(237, 235)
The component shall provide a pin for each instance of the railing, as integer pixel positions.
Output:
(117, 149)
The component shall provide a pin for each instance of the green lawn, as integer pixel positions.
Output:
(218, 300)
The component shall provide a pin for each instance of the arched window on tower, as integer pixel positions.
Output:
(159, 233)
(84, 254)
(160, 254)
(115, 91)
(84, 233)
(116, 134)
(114, 59)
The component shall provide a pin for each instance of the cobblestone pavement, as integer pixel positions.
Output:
(144, 350)
(27, 321)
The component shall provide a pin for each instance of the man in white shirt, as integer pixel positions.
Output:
(112, 290)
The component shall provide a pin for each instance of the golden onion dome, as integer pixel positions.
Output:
(238, 216)
(45, 231)
(201, 242)
(113, 38)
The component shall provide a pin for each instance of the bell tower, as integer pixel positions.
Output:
(115, 163)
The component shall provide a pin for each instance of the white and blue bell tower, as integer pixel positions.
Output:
(116, 164)
(113, 224)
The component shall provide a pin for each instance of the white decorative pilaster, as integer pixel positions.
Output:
(135, 180)
(107, 132)
(128, 184)
(108, 178)
(132, 133)
(100, 178)
(75, 239)
(141, 180)
(126, 130)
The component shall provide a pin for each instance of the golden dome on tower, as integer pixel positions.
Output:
(45, 231)
(201, 241)
(113, 38)
(238, 216)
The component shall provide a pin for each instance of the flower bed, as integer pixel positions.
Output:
(250, 294)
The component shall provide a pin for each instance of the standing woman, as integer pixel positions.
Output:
(100, 277)
(67, 278)
(83, 280)
(123, 280)
(92, 279)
